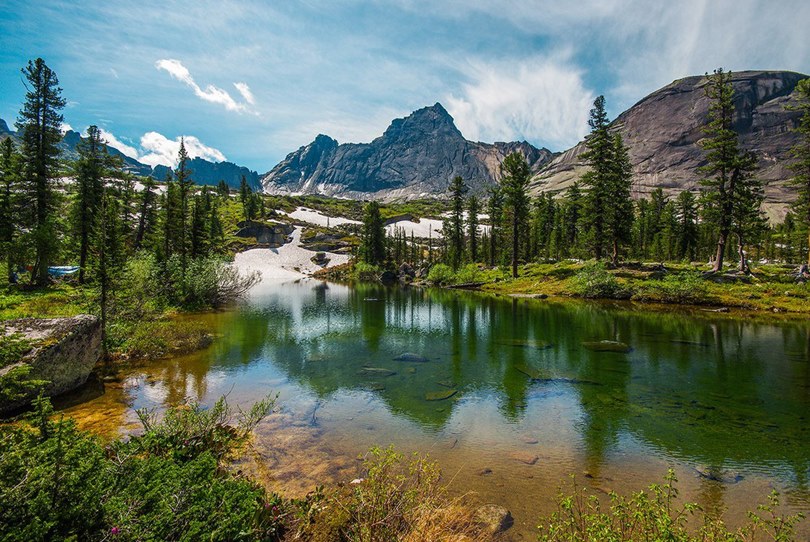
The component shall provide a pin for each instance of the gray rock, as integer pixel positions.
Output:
(663, 131)
(64, 352)
(494, 518)
(412, 358)
(271, 234)
(417, 155)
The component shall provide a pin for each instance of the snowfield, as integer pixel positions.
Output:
(319, 219)
(290, 261)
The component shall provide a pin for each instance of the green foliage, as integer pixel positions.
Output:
(654, 515)
(687, 288)
(441, 274)
(366, 272)
(801, 163)
(171, 483)
(516, 174)
(12, 347)
(468, 274)
(16, 384)
(595, 281)
(372, 248)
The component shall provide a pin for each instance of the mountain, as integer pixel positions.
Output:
(203, 171)
(663, 132)
(210, 173)
(415, 157)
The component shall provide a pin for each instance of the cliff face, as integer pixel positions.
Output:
(415, 157)
(663, 132)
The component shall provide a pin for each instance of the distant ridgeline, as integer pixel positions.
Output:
(202, 171)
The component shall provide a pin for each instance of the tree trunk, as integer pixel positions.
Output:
(614, 260)
(721, 251)
(743, 265)
(515, 246)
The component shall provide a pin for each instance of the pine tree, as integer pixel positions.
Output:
(223, 189)
(146, 212)
(372, 249)
(89, 169)
(732, 194)
(495, 211)
(184, 183)
(801, 164)
(108, 253)
(453, 227)
(516, 174)
(39, 124)
(687, 232)
(473, 208)
(9, 204)
(597, 179)
(573, 215)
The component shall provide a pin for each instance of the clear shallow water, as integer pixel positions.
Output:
(510, 398)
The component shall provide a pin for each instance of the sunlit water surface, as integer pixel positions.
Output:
(511, 397)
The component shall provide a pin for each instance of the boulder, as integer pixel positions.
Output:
(64, 352)
(494, 518)
(273, 234)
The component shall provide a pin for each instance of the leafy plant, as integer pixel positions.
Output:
(595, 281)
(441, 274)
(687, 287)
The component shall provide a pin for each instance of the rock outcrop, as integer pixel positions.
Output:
(417, 156)
(273, 235)
(664, 129)
(64, 352)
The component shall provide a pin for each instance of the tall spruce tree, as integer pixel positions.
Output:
(515, 181)
(687, 216)
(90, 170)
(618, 222)
(495, 211)
(748, 222)
(801, 164)
(597, 179)
(39, 126)
(182, 176)
(473, 208)
(147, 212)
(453, 227)
(372, 248)
(731, 192)
(10, 205)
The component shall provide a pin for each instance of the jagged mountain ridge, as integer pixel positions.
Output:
(663, 131)
(202, 171)
(415, 157)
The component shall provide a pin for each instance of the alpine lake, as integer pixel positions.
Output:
(510, 396)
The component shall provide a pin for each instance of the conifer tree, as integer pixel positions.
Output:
(573, 215)
(453, 227)
(89, 170)
(597, 179)
(732, 194)
(39, 125)
(473, 208)
(9, 204)
(184, 183)
(372, 249)
(495, 211)
(687, 215)
(618, 222)
(801, 164)
(516, 174)
(146, 212)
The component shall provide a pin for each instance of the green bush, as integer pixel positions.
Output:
(441, 274)
(366, 272)
(688, 287)
(171, 483)
(468, 274)
(595, 281)
(654, 515)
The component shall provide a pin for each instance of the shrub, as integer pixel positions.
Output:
(366, 272)
(688, 287)
(60, 483)
(396, 500)
(653, 515)
(468, 274)
(595, 281)
(441, 274)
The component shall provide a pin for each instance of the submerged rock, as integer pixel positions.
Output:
(718, 475)
(412, 358)
(439, 395)
(607, 346)
(376, 371)
(63, 352)
(525, 457)
(531, 372)
(494, 518)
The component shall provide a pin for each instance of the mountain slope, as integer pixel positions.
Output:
(415, 157)
(663, 132)
(203, 171)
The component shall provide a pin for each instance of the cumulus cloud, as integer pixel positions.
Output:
(210, 93)
(116, 143)
(158, 149)
(65, 127)
(542, 100)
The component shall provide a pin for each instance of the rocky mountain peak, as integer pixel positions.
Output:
(4, 127)
(432, 121)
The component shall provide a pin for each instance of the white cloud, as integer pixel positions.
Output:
(116, 143)
(210, 93)
(158, 149)
(65, 127)
(244, 90)
(542, 100)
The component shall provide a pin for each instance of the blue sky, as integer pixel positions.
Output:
(250, 81)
